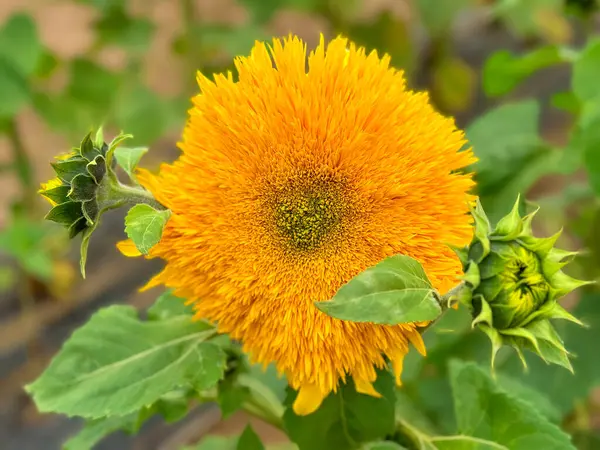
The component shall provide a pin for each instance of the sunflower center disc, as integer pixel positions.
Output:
(307, 212)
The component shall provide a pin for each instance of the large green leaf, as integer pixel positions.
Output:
(485, 411)
(144, 226)
(394, 291)
(116, 364)
(345, 419)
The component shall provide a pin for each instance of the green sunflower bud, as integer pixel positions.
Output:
(73, 193)
(86, 186)
(512, 285)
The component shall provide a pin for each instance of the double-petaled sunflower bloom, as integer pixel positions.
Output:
(294, 179)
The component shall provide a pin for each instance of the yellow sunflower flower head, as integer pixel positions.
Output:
(291, 181)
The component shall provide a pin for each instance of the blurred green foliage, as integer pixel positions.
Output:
(439, 396)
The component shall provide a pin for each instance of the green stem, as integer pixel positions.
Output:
(445, 301)
(133, 195)
(113, 194)
(22, 165)
(193, 46)
(253, 407)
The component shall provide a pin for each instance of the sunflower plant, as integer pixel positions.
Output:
(318, 222)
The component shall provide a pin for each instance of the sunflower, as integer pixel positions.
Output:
(291, 181)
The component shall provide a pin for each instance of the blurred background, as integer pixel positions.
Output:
(508, 70)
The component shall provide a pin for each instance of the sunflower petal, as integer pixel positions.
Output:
(308, 400)
(128, 248)
(366, 387)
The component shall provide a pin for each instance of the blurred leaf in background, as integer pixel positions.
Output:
(20, 54)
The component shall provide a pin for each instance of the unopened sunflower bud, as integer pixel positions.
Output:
(73, 193)
(86, 186)
(513, 282)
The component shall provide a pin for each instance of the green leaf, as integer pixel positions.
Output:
(438, 16)
(129, 158)
(383, 445)
(587, 144)
(394, 291)
(116, 364)
(464, 443)
(96, 430)
(14, 90)
(47, 64)
(503, 71)
(235, 40)
(345, 419)
(534, 18)
(261, 11)
(115, 27)
(231, 397)
(168, 305)
(249, 440)
(92, 87)
(142, 113)
(144, 226)
(502, 137)
(26, 241)
(20, 45)
(534, 397)
(485, 411)
(585, 72)
(215, 443)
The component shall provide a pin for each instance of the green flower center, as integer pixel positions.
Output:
(523, 282)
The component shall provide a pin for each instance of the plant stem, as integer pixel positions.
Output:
(113, 194)
(252, 407)
(22, 166)
(445, 301)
